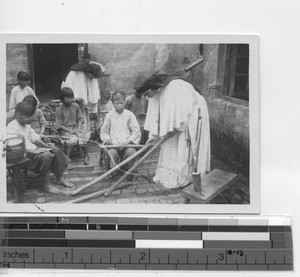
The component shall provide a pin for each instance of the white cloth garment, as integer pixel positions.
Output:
(18, 94)
(85, 87)
(118, 127)
(175, 107)
(14, 129)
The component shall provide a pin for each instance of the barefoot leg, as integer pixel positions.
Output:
(68, 152)
(86, 155)
(63, 181)
(50, 188)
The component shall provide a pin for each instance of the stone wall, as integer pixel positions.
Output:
(16, 60)
(125, 62)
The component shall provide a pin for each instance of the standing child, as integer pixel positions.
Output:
(69, 120)
(21, 90)
(120, 128)
(105, 106)
(43, 158)
(136, 103)
(86, 116)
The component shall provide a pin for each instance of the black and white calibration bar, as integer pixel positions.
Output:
(146, 243)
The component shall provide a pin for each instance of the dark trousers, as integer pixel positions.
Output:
(119, 155)
(54, 160)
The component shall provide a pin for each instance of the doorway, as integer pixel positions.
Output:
(50, 65)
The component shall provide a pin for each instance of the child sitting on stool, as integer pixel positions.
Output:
(43, 158)
(69, 120)
(120, 128)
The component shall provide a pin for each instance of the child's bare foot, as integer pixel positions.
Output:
(63, 181)
(86, 160)
(49, 188)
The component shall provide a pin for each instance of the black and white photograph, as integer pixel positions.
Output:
(131, 123)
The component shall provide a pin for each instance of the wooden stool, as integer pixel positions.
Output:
(14, 170)
(213, 183)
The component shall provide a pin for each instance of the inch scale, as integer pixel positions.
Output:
(146, 243)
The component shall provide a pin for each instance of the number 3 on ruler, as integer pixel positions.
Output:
(221, 256)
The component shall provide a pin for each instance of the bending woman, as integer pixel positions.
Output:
(176, 106)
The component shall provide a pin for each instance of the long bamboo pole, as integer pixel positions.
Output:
(95, 194)
(136, 146)
(113, 187)
(118, 166)
(104, 191)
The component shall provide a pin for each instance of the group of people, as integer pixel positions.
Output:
(175, 107)
(43, 158)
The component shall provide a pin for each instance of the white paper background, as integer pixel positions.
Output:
(277, 23)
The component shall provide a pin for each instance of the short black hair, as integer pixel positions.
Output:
(86, 56)
(116, 94)
(25, 108)
(31, 100)
(66, 92)
(106, 94)
(23, 76)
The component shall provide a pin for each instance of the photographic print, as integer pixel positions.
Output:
(130, 123)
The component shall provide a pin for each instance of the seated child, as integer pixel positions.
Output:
(69, 120)
(120, 128)
(38, 121)
(20, 91)
(43, 158)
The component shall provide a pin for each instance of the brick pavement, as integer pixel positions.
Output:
(142, 189)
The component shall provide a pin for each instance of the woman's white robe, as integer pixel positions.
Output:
(176, 107)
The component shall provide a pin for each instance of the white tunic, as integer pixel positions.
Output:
(175, 107)
(14, 129)
(18, 94)
(118, 127)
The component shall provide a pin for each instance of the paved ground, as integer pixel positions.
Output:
(142, 189)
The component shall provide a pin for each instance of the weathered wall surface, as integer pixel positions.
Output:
(230, 131)
(16, 60)
(229, 120)
(126, 62)
(205, 75)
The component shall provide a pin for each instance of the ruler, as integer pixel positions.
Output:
(138, 243)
